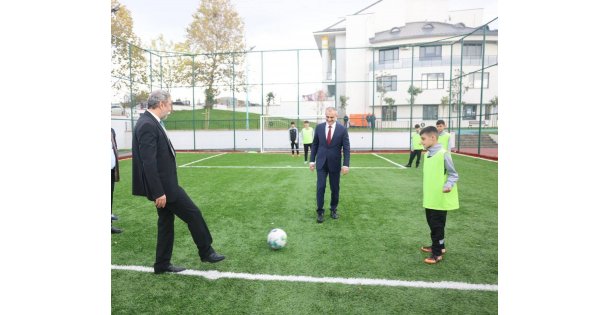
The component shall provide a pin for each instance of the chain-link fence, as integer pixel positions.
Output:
(380, 92)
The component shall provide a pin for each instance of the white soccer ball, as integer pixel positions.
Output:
(277, 239)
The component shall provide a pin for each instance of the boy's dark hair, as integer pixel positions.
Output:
(429, 130)
(440, 122)
(306, 121)
(293, 123)
(416, 126)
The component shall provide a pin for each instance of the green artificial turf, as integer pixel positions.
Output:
(378, 235)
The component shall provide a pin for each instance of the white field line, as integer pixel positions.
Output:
(474, 157)
(280, 167)
(401, 166)
(209, 157)
(214, 275)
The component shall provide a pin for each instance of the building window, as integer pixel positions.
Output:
(389, 114)
(469, 112)
(430, 112)
(430, 53)
(432, 81)
(471, 50)
(331, 90)
(389, 83)
(388, 55)
(475, 80)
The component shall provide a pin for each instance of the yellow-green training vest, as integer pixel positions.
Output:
(433, 179)
(307, 135)
(416, 145)
(444, 139)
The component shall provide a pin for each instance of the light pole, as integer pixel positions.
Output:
(247, 88)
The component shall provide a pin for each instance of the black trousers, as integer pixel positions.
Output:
(415, 153)
(294, 145)
(112, 191)
(334, 185)
(436, 220)
(306, 148)
(187, 211)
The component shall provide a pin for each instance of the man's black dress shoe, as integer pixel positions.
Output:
(171, 268)
(319, 217)
(334, 214)
(213, 258)
(116, 230)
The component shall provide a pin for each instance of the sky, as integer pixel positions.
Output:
(269, 24)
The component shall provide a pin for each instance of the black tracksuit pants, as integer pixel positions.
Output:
(436, 220)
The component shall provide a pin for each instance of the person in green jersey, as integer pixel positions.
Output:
(444, 136)
(416, 149)
(307, 136)
(439, 191)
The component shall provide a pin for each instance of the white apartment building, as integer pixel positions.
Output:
(381, 42)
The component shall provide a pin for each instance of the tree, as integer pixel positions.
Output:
(165, 67)
(381, 88)
(343, 100)
(455, 84)
(390, 102)
(217, 32)
(269, 99)
(413, 92)
(493, 106)
(320, 97)
(126, 66)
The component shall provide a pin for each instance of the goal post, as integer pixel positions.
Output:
(274, 135)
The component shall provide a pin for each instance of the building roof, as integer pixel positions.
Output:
(427, 29)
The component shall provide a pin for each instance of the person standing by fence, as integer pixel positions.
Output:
(307, 135)
(416, 149)
(294, 137)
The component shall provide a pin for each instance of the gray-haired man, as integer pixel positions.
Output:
(155, 176)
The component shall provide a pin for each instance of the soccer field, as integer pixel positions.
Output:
(381, 227)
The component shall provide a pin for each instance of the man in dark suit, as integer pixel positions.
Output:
(115, 175)
(155, 176)
(329, 141)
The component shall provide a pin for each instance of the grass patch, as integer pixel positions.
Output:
(378, 235)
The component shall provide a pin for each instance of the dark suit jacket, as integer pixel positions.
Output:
(331, 154)
(154, 168)
(115, 149)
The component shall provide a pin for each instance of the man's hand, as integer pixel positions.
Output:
(161, 201)
(344, 170)
(447, 189)
(312, 166)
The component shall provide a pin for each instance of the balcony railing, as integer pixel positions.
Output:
(405, 63)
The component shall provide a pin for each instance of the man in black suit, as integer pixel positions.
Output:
(155, 176)
(115, 175)
(329, 141)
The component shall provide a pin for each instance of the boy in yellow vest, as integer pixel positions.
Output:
(439, 191)
(444, 136)
(416, 149)
(307, 137)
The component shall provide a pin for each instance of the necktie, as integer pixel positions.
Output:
(329, 136)
(167, 136)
